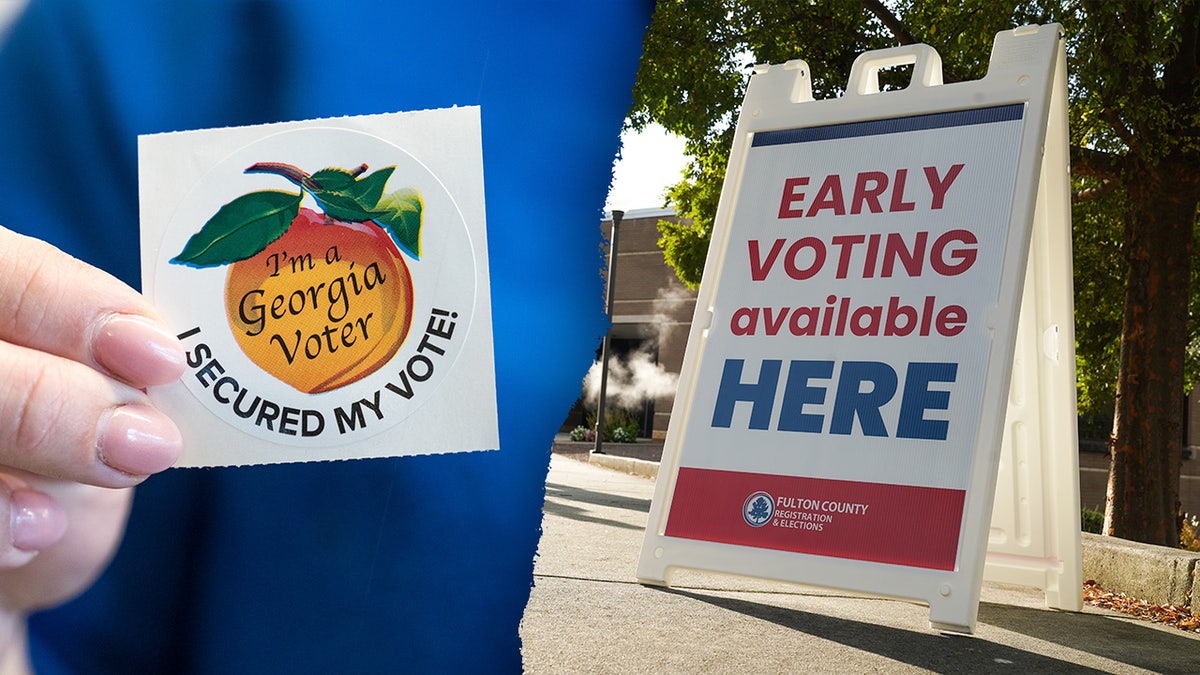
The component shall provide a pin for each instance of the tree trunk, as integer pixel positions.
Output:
(1147, 441)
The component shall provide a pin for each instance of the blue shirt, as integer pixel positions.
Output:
(415, 564)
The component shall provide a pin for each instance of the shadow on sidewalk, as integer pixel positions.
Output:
(1137, 646)
(557, 496)
(1105, 636)
(575, 494)
(575, 513)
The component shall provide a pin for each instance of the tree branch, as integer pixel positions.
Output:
(1109, 115)
(890, 21)
(900, 31)
(1090, 162)
(1095, 192)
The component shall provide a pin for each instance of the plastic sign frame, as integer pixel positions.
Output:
(841, 406)
(1035, 537)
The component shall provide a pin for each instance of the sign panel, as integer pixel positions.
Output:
(844, 386)
(853, 323)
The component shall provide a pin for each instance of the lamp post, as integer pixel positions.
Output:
(604, 346)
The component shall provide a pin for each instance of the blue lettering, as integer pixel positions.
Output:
(918, 398)
(797, 393)
(852, 401)
(761, 394)
(863, 389)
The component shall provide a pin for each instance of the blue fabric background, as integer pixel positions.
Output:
(418, 564)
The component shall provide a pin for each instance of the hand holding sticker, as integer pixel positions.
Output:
(77, 347)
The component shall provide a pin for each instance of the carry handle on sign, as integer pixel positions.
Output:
(841, 406)
(926, 63)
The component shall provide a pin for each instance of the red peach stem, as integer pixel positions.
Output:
(292, 173)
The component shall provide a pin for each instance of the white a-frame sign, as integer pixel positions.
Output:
(845, 395)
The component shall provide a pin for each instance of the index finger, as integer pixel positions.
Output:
(57, 304)
(67, 421)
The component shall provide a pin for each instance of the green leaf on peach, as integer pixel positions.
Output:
(401, 214)
(369, 189)
(342, 206)
(241, 229)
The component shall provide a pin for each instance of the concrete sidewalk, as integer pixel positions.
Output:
(587, 614)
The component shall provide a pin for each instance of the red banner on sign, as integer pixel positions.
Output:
(893, 524)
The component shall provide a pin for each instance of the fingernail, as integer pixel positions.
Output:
(138, 350)
(138, 440)
(37, 520)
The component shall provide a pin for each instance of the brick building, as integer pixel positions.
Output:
(652, 311)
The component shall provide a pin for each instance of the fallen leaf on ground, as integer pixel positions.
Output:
(1177, 616)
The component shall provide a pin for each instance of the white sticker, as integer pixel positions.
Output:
(328, 280)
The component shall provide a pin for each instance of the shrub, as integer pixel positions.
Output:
(1189, 533)
(1189, 530)
(623, 435)
(620, 426)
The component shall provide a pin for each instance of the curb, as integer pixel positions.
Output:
(637, 467)
(1154, 574)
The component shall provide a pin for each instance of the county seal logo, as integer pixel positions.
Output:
(758, 509)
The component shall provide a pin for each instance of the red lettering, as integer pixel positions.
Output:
(952, 253)
(871, 312)
(898, 203)
(829, 196)
(872, 254)
(759, 268)
(951, 320)
(791, 197)
(793, 269)
(774, 323)
(869, 188)
(809, 327)
(840, 314)
(843, 309)
(897, 311)
(744, 321)
(868, 194)
(911, 259)
(938, 257)
(846, 243)
(927, 315)
(939, 186)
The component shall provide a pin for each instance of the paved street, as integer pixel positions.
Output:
(587, 614)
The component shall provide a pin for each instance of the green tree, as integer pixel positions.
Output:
(1135, 152)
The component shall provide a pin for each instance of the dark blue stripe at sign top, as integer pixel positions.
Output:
(893, 125)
